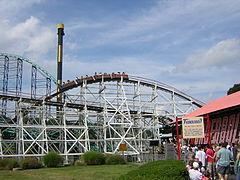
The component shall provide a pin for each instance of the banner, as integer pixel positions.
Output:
(193, 127)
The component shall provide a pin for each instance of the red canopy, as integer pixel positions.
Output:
(216, 105)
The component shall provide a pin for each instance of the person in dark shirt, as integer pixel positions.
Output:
(235, 151)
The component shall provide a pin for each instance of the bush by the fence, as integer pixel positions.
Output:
(52, 159)
(115, 159)
(94, 158)
(161, 170)
(79, 163)
(8, 163)
(30, 163)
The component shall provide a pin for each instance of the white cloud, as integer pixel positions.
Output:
(13, 6)
(29, 38)
(24, 29)
(224, 53)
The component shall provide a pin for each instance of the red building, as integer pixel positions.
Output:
(224, 119)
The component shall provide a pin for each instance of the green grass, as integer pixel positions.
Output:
(100, 172)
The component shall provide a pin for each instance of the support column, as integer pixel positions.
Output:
(5, 84)
(34, 82)
(20, 132)
(48, 87)
(45, 114)
(65, 134)
(1, 150)
(19, 77)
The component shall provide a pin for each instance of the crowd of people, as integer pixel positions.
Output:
(212, 162)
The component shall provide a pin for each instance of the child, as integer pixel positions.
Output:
(195, 174)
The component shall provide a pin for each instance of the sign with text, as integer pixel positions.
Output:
(193, 127)
(123, 147)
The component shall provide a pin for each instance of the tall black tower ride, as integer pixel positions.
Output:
(60, 34)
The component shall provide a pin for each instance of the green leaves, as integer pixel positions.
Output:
(161, 170)
(94, 158)
(52, 159)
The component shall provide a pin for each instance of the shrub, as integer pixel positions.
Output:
(30, 163)
(8, 163)
(115, 159)
(79, 163)
(52, 159)
(94, 158)
(161, 170)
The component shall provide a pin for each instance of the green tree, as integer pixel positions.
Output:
(234, 89)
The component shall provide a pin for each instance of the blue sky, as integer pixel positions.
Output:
(193, 45)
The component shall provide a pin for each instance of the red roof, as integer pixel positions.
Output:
(216, 105)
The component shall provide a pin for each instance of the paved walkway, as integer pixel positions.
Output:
(232, 177)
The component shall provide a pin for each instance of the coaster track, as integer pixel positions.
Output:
(98, 112)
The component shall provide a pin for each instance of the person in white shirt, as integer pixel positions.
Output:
(201, 156)
(195, 174)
